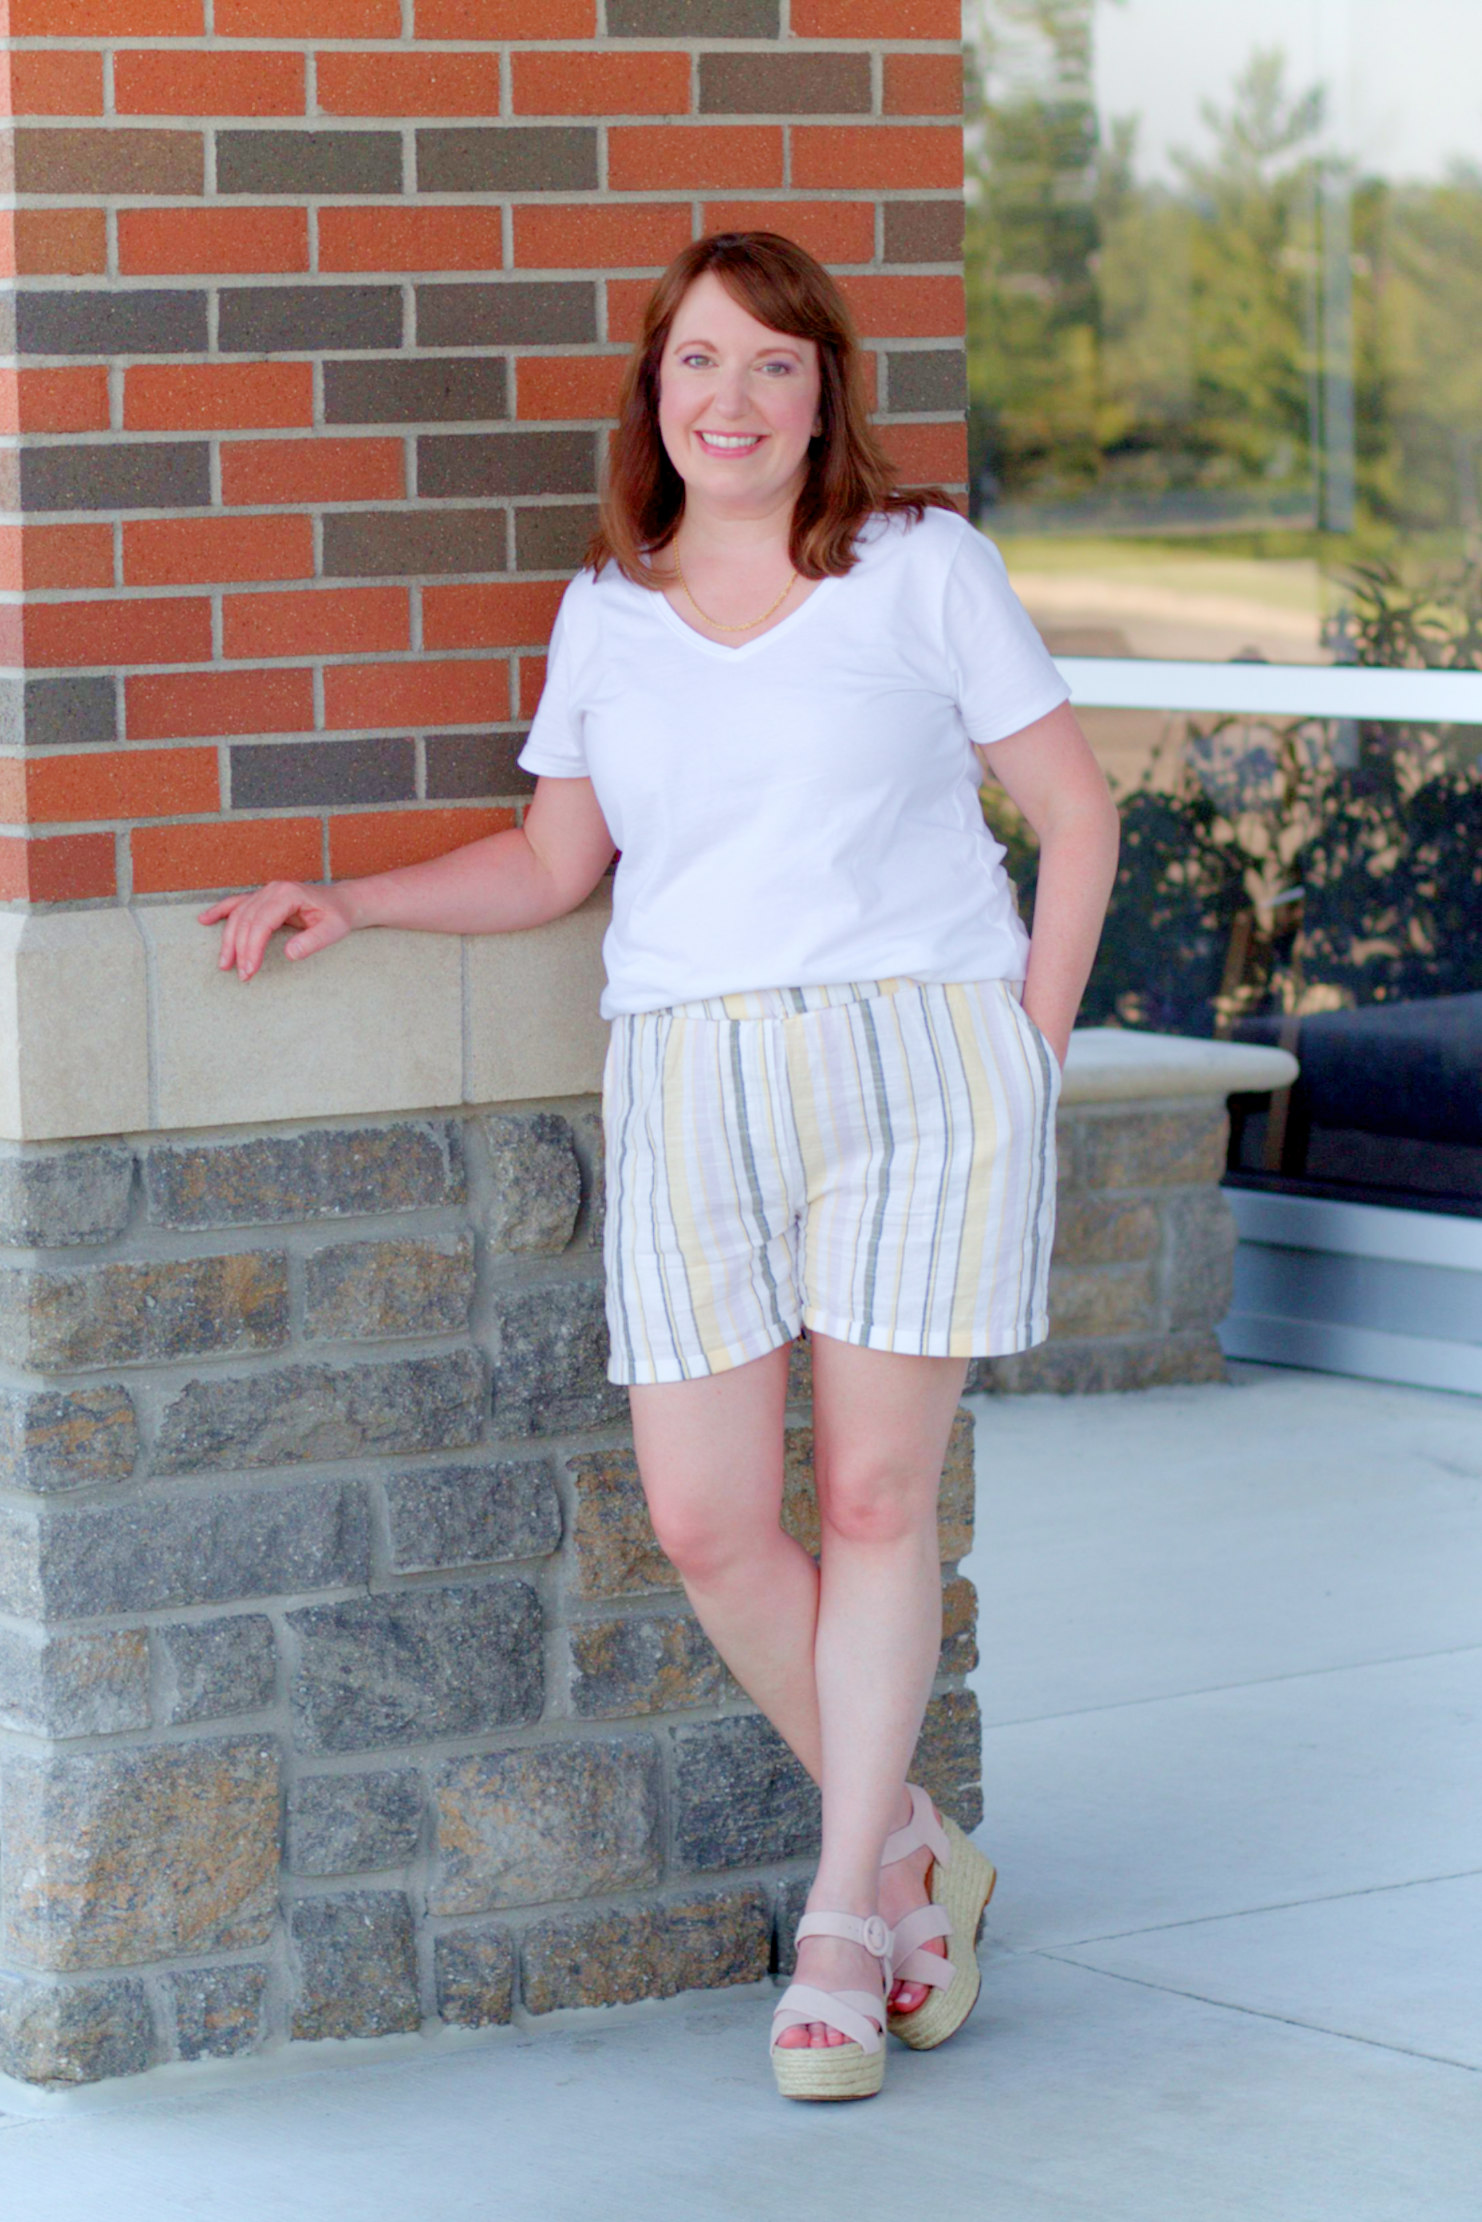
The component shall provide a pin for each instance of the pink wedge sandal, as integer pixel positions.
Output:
(961, 1882)
(850, 2071)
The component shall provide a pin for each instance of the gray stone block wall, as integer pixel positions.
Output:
(1144, 1253)
(344, 1691)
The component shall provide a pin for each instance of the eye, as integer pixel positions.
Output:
(782, 369)
(692, 358)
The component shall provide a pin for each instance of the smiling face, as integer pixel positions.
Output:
(738, 404)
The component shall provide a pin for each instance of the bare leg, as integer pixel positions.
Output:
(710, 1453)
(881, 1427)
(842, 1666)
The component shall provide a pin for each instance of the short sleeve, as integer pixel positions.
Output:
(555, 747)
(1003, 674)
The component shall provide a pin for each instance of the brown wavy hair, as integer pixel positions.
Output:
(849, 474)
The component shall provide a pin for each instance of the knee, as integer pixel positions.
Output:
(872, 1500)
(702, 1546)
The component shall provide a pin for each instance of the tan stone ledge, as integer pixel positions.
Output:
(1108, 1065)
(119, 1022)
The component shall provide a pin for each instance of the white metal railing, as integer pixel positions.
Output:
(1275, 690)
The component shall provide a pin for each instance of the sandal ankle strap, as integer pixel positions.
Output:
(923, 1829)
(871, 1930)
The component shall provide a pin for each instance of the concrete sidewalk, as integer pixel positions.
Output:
(1232, 1672)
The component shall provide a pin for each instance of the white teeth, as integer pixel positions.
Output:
(730, 439)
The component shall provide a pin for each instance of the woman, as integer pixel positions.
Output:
(826, 1105)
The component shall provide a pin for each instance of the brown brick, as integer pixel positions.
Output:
(655, 1951)
(211, 397)
(905, 308)
(305, 163)
(785, 85)
(474, 1975)
(121, 783)
(929, 380)
(693, 19)
(289, 775)
(56, 1439)
(396, 543)
(416, 390)
(89, 161)
(519, 314)
(162, 474)
(553, 537)
(357, 1966)
(94, 322)
(507, 158)
(302, 320)
(506, 463)
(475, 767)
(923, 231)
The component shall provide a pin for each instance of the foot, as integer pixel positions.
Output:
(833, 1965)
(904, 1885)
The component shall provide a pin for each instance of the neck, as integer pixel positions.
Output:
(706, 532)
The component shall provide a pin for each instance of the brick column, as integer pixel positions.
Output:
(343, 1691)
(320, 307)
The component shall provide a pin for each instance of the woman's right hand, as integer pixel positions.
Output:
(249, 922)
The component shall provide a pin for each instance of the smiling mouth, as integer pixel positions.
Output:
(730, 443)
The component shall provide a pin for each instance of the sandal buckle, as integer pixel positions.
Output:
(875, 1935)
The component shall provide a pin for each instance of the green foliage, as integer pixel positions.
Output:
(1308, 864)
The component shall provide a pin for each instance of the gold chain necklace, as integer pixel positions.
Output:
(751, 623)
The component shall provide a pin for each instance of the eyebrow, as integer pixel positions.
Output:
(780, 347)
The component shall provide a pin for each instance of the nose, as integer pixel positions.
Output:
(730, 397)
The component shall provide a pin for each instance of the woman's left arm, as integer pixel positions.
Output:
(1049, 772)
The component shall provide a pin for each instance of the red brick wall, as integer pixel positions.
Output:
(318, 308)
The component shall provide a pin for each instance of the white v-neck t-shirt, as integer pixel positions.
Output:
(801, 811)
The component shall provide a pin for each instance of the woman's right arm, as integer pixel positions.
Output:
(525, 877)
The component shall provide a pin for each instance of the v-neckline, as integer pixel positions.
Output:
(671, 617)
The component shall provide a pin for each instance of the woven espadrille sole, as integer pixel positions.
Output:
(828, 2071)
(964, 1889)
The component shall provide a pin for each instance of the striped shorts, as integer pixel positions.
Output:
(875, 1162)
